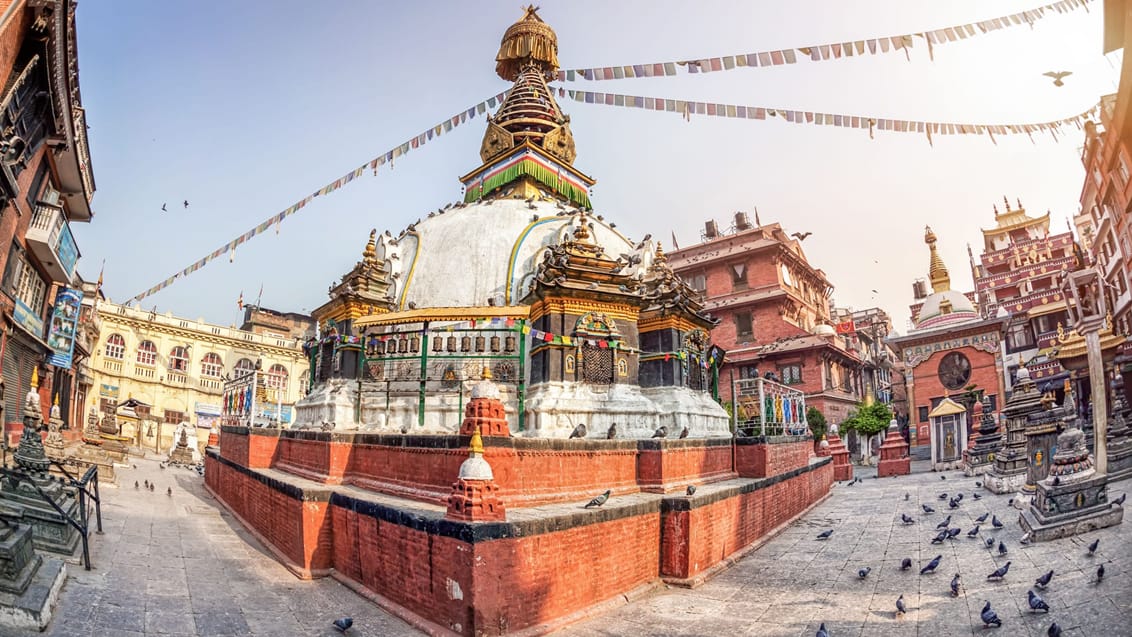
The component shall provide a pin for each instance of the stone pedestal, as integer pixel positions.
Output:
(485, 412)
(1074, 498)
(1041, 438)
(475, 496)
(842, 469)
(1008, 475)
(182, 454)
(29, 586)
(1119, 435)
(54, 444)
(894, 458)
(985, 443)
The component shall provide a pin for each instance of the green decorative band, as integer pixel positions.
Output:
(527, 164)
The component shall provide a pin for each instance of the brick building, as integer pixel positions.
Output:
(774, 314)
(951, 357)
(1018, 277)
(46, 184)
(1106, 195)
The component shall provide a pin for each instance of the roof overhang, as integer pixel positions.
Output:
(947, 407)
(426, 314)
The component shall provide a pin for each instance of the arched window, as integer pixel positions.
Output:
(243, 367)
(211, 365)
(116, 347)
(179, 359)
(277, 377)
(147, 354)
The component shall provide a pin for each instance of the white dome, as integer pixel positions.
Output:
(931, 314)
(483, 251)
(823, 329)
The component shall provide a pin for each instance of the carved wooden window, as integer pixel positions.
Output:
(597, 365)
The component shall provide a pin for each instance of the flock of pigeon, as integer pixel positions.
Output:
(947, 532)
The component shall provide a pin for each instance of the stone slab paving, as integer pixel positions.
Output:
(178, 566)
(794, 582)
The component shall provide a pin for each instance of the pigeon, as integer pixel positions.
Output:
(995, 523)
(990, 542)
(824, 535)
(1043, 581)
(1057, 76)
(599, 500)
(864, 572)
(943, 496)
(927, 509)
(1000, 572)
(691, 489)
(1094, 545)
(1054, 630)
(579, 431)
(953, 504)
(906, 497)
(1036, 602)
(822, 632)
(1100, 573)
(146, 483)
(955, 586)
(684, 433)
(1025, 539)
(342, 625)
(151, 486)
(661, 432)
(801, 236)
(976, 496)
(906, 564)
(946, 523)
(982, 518)
(1056, 480)
(905, 519)
(973, 532)
(931, 566)
(1001, 548)
(940, 538)
(612, 433)
(953, 533)
(978, 484)
(169, 491)
(1120, 501)
(900, 610)
(989, 617)
(943, 477)
(959, 497)
(1010, 502)
(135, 484)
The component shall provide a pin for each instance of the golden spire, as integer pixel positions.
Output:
(56, 400)
(582, 232)
(35, 377)
(370, 253)
(475, 447)
(528, 41)
(937, 271)
(659, 257)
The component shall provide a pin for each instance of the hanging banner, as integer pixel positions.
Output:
(64, 320)
(822, 52)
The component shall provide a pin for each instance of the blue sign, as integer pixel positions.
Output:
(67, 252)
(64, 322)
(270, 410)
(28, 318)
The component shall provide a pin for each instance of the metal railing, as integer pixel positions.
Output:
(86, 488)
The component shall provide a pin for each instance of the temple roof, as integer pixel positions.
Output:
(1012, 219)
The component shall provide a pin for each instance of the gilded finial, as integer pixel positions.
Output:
(1007, 202)
(35, 377)
(528, 41)
(486, 372)
(475, 447)
(582, 232)
(370, 253)
(56, 400)
(937, 271)
(659, 256)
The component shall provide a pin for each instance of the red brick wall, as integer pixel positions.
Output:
(234, 446)
(926, 384)
(675, 465)
(412, 472)
(299, 530)
(773, 458)
(535, 476)
(698, 539)
(313, 459)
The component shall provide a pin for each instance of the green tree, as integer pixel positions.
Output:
(869, 419)
(816, 421)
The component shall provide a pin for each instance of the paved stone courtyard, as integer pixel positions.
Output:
(178, 566)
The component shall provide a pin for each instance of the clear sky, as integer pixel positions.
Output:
(243, 108)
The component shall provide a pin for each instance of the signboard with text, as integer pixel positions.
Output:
(64, 322)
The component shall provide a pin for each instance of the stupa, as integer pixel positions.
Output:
(579, 324)
(987, 441)
(1008, 474)
(1042, 428)
(1074, 498)
(1119, 436)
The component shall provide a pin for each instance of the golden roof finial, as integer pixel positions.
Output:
(56, 400)
(582, 232)
(486, 372)
(937, 271)
(530, 40)
(659, 256)
(370, 253)
(475, 447)
(35, 377)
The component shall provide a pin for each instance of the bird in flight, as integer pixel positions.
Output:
(801, 236)
(163, 208)
(1057, 76)
(186, 203)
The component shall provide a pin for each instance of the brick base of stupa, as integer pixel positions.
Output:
(894, 458)
(842, 469)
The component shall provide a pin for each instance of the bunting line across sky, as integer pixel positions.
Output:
(823, 52)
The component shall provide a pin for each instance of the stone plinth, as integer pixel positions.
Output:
(1119, 435)
(182, 454)
(894, 458)
(842, 469)
(23, 496)
(485, 412)
(30, 585)
(1008, 475)
(985, 442)
(1074, 498)
(1041, 438)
